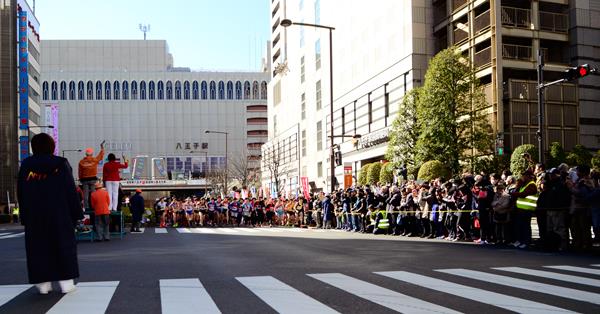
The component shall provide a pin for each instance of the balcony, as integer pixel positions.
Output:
(482, 21)
(554, 22)
(516, 52)
(457, 4)
(483, 57)
(516, 17)
(460, 35)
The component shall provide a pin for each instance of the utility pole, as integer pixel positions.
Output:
(540, 95)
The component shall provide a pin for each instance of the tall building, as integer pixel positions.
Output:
(19, 89)
(127, 93)
(379, 53)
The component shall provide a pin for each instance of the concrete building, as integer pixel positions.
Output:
(128, 93)
(19, 89)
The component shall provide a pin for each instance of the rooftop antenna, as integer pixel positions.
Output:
(145, 29)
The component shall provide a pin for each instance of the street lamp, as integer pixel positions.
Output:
(70, 150)
(226, 162)
(287, 23)
(205, 172)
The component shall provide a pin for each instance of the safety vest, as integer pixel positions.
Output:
(384, 223)
(527, 202)
(15, 211)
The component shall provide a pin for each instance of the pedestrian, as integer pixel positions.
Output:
(136, 204)
(49, 210)
(100, 201)
(328, 213)
(580, 211)
(112, 178)
(88, 173)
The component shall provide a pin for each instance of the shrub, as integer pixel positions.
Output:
(557, 155)
(579, 156)
(362, 174)
(433, 169)
(387, 173)
(518, 164)
(596, 161)
(374, 173)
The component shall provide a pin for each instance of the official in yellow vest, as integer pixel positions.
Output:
(526, 195)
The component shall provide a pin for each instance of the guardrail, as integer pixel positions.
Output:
(516, 52)
(516, 17)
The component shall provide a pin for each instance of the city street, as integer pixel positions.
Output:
(266, 270)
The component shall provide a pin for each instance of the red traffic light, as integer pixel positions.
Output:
(577, 72)
(583, 71)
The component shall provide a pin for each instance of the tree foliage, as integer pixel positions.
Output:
(405, 131)
(431, 170)
(363, 174)
(451, 113)
(386, 176)
(374, 173)
(518, 164)
(596, 161)
(579, 156)
(557, 155)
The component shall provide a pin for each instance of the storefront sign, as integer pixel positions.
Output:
(347, 176)
(23, 73)
(373, 139)
(190, 145)
(305, 188)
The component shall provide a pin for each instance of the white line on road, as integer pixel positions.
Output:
(248, 230)
(281, 297)
(9, 292)
(551, 275)
(185, 296)
(479, 295)
(382, 296)
(183, 230)
(526, 285)
(202, 230)
(227, 230)
(16, 235)
(4, 233)
(160, 230)
(89, 298)
(272, 229)
(595, 265)
(576, 269)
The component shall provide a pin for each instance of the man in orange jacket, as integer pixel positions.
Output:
(100, 202)
(88, 171)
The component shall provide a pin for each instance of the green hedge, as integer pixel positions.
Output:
(433, 169)
(374, 173)
(363, 174)
(518, 164)
(386, 176)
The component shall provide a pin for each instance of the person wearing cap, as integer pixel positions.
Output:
(136, 203)
(100, 202)
(88, 171)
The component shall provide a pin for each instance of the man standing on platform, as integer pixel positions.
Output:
(88, 171)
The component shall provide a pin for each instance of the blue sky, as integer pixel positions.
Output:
(202, 34)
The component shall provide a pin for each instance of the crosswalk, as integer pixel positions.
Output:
(241, 230)
(11, 235)
(189, 295)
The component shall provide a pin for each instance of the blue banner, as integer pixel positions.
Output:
(23, 147)
(23, 73)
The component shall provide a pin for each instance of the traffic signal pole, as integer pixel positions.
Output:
(540, 96)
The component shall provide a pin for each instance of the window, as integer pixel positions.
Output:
(247, 90)
(71, 90)
(213, 90)
(221, 90)
(54, 92)
(98, 90)
(319, 135)
(169, 90)
(204, 89)
(263, 90)
(151, 89)
(186, 90)
(275, 124)
(318, 94)
(229, 90)
(63, 90)
(317, 12)
(134, 90)
(277, 93)
(117, 90)
(255, 90)
(80, 90)
(303, 143)
(125, 90)
(195, 90)
(238, 90)
(160, 90)
(302, 70)
(318, 54)
(320, 169)
(90, 90)
(143, 90)
(177, 90)
(45, 91)
(303, 105)
(107, 94)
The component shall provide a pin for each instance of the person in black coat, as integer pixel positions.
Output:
(49, 209)
(136, 204)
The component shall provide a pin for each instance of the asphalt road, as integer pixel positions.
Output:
(307, 271)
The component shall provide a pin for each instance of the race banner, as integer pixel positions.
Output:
(305, 190)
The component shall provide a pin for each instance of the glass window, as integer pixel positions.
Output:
(275, 124)
(204, 90)
(169, 90)
(186, 90)
(303, 105)
(319, 135)
(318, 54)
(81, 90)
(54, 92)
(263, 90)
(177, 90)
(195, 90)
(221, 90)
(71, 90)
(107, 94)
(320, 169)
(45, 91)
(238, 90)
(213, 90)
(98, 90)
(90, 90)
(63, 90)
(303, 143)
(134, 90)
(143, 90)
(255, 90)
(317, 12)
(151, 89)
(247, 91)
(125, 90)
(318, 94)
(302, 35)
(117, 90)
(229, 90)
(302, 70)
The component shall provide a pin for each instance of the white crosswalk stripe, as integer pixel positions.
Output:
(160, 230)
(13, 235)
(141, 231)
(281, 297)
(492, 298)
(183, 230)
(382, 296)
(552, 275)
(9, 292)
(202, 230)
(89, 298)
(576, 269)
(183, 296)
(227, 230)
(526, 285)
(595, 265)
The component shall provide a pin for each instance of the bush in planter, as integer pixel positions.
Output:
(374, 173)
(518, 164)
(387, 173)
(557, 155)
(431, 170)
(580, 155)
(362, 175)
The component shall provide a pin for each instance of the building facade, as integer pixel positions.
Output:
(20, 89)
(127, 93)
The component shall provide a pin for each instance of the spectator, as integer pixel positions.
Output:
(580, 211)
(100, 201)
(88, 172)
(136, 204)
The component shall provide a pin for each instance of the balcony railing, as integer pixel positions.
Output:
(516, 17)
(554, 22)
(516, 52)
(482, 21)
(460, 35)
(457, 4)
(483, 58)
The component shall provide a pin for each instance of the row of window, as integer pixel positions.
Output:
(131, 90)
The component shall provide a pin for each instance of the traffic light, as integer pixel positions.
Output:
(338, 158)
(577, 72)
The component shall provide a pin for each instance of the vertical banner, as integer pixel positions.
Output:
(23, 147)
(347, 176)
(273, 190)
(305, 190)
(54, 131)
(23, 73)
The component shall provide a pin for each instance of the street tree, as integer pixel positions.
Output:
(405, 132)
(242, 170)
(275, 166)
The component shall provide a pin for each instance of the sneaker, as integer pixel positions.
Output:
(522, 246)
(478, 241)
(516, 244)
(44, 287)
(67, 286)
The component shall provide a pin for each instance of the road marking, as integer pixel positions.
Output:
(281, 297)
(89, 297)
(382, 296)
(479, 295)
(248, 230)
(227, 230)
(595, 265)
(526, 285)
(576, 269)
(551, 275)
(4, 233)
(9, 292)
(15, 235)
(185, 296)
(202, 230)
(183, 230)
(272, 229)
(141, 231)
(160, 230)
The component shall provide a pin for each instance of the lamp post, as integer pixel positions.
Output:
(205, 175)
(287, 23)
(226, 161)
(70, 150)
